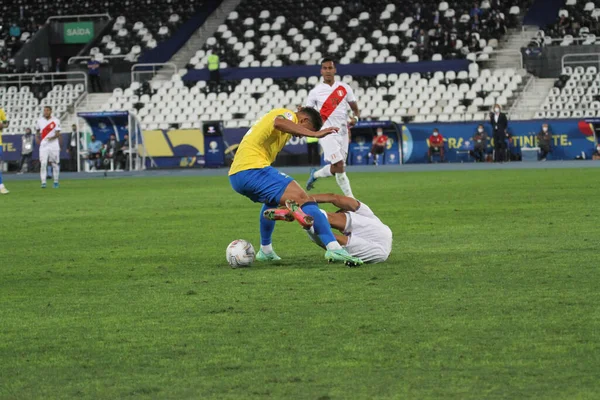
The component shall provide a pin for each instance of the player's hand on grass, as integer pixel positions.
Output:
(326, 131)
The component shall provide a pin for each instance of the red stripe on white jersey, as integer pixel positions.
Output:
(331, 103)
(49, 128)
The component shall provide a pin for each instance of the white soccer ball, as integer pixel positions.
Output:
(240, 253)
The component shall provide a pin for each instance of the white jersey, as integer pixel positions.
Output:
(368, 238)
(333, 104)
(49, 128)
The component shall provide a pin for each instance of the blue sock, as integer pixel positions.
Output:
(321, 224)
(0, 177)
(266, 227)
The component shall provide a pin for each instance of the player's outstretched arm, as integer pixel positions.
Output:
(342, 202)
(285, 125)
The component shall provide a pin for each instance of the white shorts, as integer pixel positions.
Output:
(335, 147)
(368, 238)
(49, 155)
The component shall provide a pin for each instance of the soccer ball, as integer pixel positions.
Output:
(240, 253)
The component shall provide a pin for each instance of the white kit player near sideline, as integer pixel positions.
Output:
(50, 141)
(333, 98)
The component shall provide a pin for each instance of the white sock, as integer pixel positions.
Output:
(344, 184)
(1, 185)
(333, 246)
(266, 248)
(43, 172)
(55, 171)
(324, 172)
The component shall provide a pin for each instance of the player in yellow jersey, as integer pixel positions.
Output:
(251, 175)
(3, 122)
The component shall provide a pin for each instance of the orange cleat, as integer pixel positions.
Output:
(305, 220)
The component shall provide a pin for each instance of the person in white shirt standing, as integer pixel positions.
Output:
(333, 99)
(50, 141)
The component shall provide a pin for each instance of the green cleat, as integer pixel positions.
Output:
(342, 256)
(260, 256)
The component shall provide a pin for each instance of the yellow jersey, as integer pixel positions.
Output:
(2, 119)
(262, 142)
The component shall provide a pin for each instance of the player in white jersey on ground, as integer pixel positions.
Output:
(363, 234)
(333, 99)
(50, 141)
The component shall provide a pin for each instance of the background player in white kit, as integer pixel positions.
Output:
(50, 141)
(333, 98)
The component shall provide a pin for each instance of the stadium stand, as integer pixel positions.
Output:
(140, 25)
(23, 101)
(18, 23)
(372, 32)
(450, 96)
(576, 24)
(576, 94)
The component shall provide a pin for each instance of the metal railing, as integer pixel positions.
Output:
(46, 78)
(150, 68)
(43, 77)
(109, 57)
(530, 82)
(77, 17)
(493, 57)
(595, 59)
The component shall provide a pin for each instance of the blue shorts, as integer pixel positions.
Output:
(264, 185)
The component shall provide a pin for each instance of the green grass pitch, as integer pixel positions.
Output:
(118, 289)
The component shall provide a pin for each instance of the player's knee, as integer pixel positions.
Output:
(337, 168)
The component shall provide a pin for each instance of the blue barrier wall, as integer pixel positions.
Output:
(12, 146)
(571, 138)
(543, 12)
(165, 50)
(295, 71)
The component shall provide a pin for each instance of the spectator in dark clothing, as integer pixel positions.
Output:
(58, 66)
(479, 139)
(500, 133)
(94, 74)
(125, 154)
(544, 139)
(72, 148)
(111, 151)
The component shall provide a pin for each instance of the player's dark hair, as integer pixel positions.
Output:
(48, 107)
(315, 117)
(327, 59)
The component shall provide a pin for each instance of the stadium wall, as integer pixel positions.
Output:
(543, 12)
(546, 62)
(571, 138)
(296, 71)
(190, 147)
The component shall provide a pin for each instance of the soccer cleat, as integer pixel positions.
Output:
(55, 185)
(261, 256)
(310, 184)
(278, 214)
(4, 190)
(342, 256)
(305, 220)
(43, 186)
